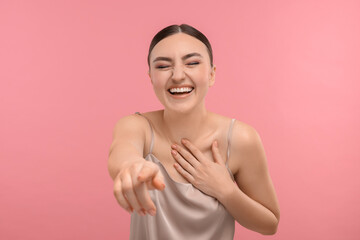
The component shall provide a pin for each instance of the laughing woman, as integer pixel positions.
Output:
(185, 172)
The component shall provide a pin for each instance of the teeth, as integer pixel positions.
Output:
(181, 90)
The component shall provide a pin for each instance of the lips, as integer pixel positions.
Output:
(180, 90)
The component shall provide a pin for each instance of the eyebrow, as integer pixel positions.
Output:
(183, 58)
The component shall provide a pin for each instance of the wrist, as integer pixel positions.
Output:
(226, 192)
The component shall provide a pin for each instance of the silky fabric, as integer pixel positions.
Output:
(182, 211)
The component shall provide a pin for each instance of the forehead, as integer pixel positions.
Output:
(178, 44)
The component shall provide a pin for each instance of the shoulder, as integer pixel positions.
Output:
(130, 122)
(246, 148)
(135, 128)
(134, 125)
(130, 129)
(245, 135)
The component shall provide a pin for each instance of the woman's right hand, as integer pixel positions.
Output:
(132, 185)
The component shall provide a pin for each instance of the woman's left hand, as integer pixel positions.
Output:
(210, 177)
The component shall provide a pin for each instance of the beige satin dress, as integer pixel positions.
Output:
(182, 211)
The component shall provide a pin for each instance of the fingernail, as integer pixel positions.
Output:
(173, 152)
(141, 213)
(152, 212)
(216, 143)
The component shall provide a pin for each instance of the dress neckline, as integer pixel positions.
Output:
(167, 173)
(181, 183)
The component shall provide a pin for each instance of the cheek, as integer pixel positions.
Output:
(157, 79)
(202, 76)
(157, 85)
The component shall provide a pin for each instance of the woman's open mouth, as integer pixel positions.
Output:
(180, 91)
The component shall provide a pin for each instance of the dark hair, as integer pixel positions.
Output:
(183, 28)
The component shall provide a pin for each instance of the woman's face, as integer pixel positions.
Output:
(180, 72)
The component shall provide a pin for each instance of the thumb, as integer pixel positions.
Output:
(216, 153)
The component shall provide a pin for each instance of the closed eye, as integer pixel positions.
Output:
(166, 66)
(162, 66)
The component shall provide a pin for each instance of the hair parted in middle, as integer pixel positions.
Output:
(183, 28)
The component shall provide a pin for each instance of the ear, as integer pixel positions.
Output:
(212, 76)
(150, 76)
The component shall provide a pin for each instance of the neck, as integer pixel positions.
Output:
(184, 125)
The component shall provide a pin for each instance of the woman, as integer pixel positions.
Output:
(174, 169)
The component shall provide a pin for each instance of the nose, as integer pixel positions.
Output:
(178, 73)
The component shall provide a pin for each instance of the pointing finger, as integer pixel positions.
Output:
(147, 173)
(151, 173)
(158, 181)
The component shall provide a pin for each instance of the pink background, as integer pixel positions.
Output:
(70, 69)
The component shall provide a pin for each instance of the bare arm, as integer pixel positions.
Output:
(128, 143)
(133, 176)
(253, 203)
